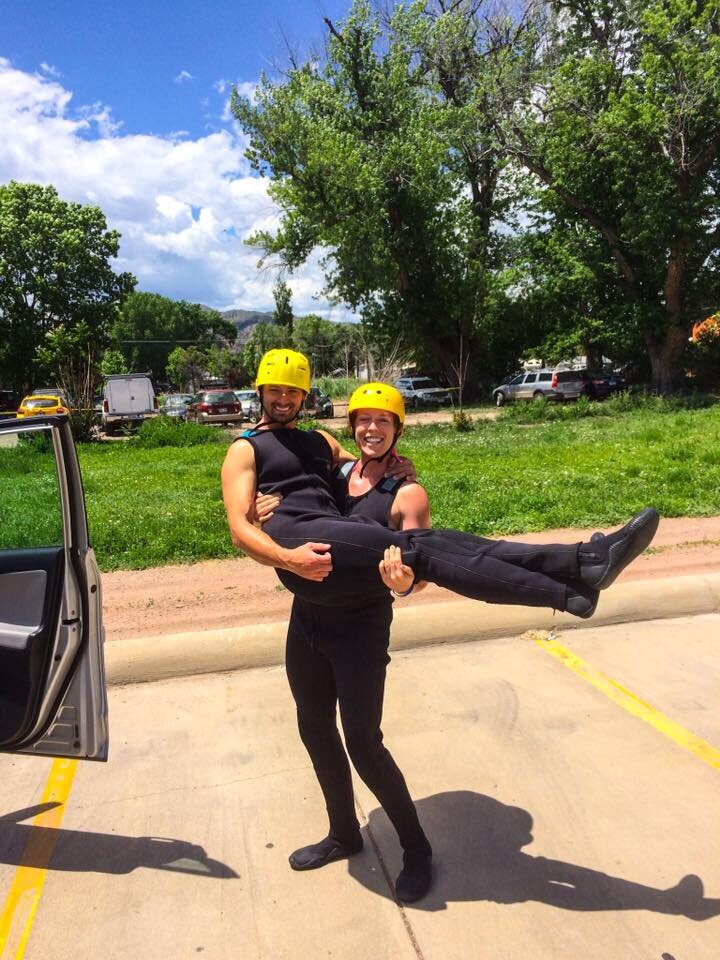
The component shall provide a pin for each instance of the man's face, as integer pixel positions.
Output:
(282, 404)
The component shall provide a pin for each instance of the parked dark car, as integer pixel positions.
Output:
(9, 401)
(215, 406)
(318, 404)
(422, 392)
(606, 384)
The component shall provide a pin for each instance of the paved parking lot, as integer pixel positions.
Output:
(569, 789)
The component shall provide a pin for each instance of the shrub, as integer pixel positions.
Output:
(173, 432)
(462, 421)
(337, 387)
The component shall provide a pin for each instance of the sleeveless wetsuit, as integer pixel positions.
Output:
(338, 657)
(298, 464)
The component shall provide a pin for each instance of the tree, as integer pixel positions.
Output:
(150, 326)
(264, 337)
(187, 366)
(55, 277)
(227, 365)
(113, 362)
(615, 110)
(318, 339)
(283, 313)
(384, 156)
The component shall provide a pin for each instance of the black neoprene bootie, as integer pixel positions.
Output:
(415, 879)
(581, 601)
(318, 854)
(605, 557)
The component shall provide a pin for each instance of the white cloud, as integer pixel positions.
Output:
(183, 206)
(183, 77)
(50, 70)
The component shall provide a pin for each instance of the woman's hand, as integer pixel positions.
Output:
(401, 468)
(394, 573)
(264, 507)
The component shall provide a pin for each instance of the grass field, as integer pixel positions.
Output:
(151, 506)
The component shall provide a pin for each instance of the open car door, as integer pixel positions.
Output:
(52, 680)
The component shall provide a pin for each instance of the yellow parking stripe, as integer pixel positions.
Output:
(18, 914)
(628, 701)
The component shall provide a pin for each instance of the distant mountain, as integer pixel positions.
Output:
(245, 320)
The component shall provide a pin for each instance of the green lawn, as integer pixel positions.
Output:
(148, 507)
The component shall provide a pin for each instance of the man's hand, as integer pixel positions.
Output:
(394, 573)
(401, 468)
(264, 507)
(312, 561)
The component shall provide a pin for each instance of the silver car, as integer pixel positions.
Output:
(250, 403)
(422, 392)
(545, 384)
(52, 680)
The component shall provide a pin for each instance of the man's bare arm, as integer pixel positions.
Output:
(312, 560)
(339, 453)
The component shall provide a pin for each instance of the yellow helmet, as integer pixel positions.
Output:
(378, 396)
(286, 368)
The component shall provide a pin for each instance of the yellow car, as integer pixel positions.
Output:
(41, 406)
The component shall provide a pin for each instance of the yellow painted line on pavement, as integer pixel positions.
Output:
(21, 905)
(633, 704)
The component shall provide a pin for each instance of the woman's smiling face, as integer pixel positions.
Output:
(374, 431)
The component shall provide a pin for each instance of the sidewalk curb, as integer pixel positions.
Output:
(147, 659)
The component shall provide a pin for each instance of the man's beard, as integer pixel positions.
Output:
(279, 417)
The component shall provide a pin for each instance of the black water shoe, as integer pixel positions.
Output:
(318, 854)
(581, 600)
(414, 880)
(605, 557)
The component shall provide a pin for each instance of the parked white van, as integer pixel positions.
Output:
(128, 398)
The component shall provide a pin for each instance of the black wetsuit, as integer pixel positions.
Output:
(338, 657)
(298, 465)
(338, 636)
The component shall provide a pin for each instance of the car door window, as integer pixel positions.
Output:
(52, 693)
(531, 378)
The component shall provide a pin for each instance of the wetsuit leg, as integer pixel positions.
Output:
(342, 657)
(494, 571)
(312, 682)
(360, 658)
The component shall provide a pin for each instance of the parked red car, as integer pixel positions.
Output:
(215, 406)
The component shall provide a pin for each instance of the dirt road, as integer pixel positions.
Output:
(226, 593)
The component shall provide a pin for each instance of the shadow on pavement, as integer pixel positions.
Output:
(31, 846)
(477, 843)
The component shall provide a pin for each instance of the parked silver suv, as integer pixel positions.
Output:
(545, 384)
(422, 392)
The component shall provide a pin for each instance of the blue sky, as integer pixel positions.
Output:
(123, 104)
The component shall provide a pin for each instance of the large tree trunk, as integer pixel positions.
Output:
(666, 357)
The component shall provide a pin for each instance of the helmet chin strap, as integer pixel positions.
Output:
(390, 449)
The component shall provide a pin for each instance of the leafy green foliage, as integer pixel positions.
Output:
(58, 292)
(149, 327)
(614, 110)
(384, 156)
(283, 313)
(174, 432)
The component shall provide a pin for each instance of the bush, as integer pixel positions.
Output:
(629, 401)
(462, 421)
(337, 387)
(173, 432)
